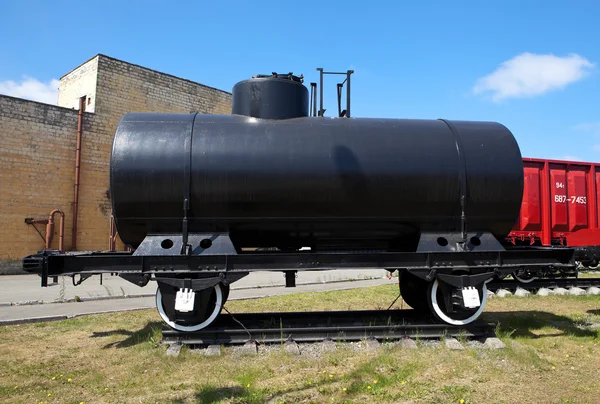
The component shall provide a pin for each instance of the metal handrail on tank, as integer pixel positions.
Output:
(348, 73)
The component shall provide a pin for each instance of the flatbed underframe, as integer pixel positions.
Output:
(53, 263)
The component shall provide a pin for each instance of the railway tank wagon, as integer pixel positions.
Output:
(205, 199)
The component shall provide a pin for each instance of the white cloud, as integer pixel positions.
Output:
(593, 127)
(528, 75)
(31, 89)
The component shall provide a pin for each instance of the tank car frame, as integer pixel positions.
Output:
(443, 274)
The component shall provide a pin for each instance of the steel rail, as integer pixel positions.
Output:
(342, 326)
(544, 283)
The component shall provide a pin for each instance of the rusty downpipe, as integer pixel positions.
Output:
(50, 230)
(77, 171)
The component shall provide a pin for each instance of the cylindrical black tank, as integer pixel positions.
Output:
(273, 177)
(327, 183)
(271, 97)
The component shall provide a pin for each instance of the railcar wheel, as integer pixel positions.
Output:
(524, 275)
(458, 315)
(207, 306)
(414, 291)
(585, 265)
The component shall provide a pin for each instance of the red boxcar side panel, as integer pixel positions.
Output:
(530, 218)
(558, 198)
(560, 203)
(577, 198)
(594, 198)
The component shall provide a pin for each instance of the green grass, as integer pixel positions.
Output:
(589, 275)
(552, 355)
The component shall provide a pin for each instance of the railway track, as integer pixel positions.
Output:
(545, 283)
(340, 326)
(347, 326)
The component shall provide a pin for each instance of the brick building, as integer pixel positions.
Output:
(38, 150)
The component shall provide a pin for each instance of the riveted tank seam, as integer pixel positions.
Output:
(187, 178)
(463, 178)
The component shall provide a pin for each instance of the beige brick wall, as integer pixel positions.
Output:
(78, 83)
(37, 148)
(37, 171)
(123, 88)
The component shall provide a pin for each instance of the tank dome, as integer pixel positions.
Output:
(275, 96)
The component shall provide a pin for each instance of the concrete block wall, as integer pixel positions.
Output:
(38, 142)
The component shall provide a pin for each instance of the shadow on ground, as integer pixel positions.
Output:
(524, 324)
(210, 394)
(132, 337)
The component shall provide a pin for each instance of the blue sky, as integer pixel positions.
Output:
(533, 66)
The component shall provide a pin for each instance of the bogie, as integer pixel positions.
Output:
(448, 304)
(207, 305)
(456, 306)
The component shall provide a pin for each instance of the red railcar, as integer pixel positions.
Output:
(561, 206)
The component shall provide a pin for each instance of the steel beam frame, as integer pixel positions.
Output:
(54, 263)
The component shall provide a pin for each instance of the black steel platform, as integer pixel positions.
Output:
(342, 326)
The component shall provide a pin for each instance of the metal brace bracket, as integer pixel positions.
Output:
(186, 248)
(203, 283)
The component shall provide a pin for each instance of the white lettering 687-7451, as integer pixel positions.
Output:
(582, 200)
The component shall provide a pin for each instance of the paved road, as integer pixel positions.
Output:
(58, 311)
(19, 289)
